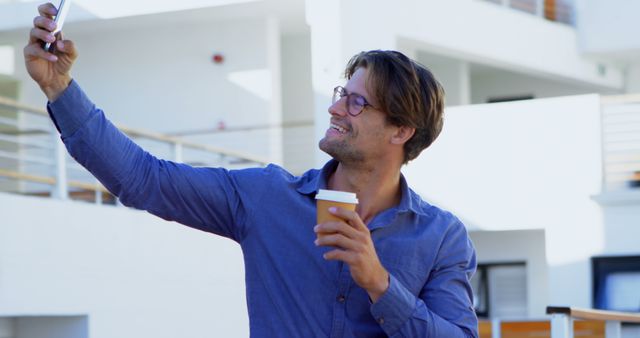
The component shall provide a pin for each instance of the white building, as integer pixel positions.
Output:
(542, 185)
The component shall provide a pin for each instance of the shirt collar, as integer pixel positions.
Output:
(314, 180)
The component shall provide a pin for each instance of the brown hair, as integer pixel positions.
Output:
(407, 92)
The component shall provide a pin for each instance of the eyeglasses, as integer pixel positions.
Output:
(356, 103)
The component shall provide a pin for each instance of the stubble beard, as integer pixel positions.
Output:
(341, 150)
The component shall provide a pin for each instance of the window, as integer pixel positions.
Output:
(500, 290)
(616, 283)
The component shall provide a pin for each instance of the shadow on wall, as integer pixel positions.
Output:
(45, 327)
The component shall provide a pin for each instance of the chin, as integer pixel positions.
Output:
(340, 151)
(327, 146)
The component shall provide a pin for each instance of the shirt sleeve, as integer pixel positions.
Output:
(444, 307)
(203, 198)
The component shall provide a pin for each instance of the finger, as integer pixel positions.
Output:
(338, 255)
(45, 23)
(339, 241)
(339, 227)
(350, 216)
(40, 35)
(35, 50)
(47, 10)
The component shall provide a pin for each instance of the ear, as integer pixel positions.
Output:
(402, 134)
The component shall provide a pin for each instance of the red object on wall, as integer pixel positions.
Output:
(218, 58)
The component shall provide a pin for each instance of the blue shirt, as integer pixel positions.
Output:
(291, 290)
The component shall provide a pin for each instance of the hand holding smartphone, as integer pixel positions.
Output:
(63, 9)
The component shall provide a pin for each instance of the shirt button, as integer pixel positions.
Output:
(380, 320)
(341, 299)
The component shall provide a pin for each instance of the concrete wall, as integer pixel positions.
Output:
(525, 165)
(131, 274)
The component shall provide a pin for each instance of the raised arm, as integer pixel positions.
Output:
(204, 198)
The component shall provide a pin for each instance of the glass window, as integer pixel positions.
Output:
(616, 283)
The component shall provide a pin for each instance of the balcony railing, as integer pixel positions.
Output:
(563, 320)
(33, 160)
(554, 10)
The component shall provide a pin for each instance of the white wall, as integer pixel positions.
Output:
(525, 165)
(622, 233)
(494, 83)
(7, 60)
(608, 26)
(454, 76)
(633, 78)
(518, 246)
(297, 103)
(132, 274)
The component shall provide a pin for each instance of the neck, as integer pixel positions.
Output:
(377, 187)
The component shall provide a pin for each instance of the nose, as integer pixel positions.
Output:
(339, 107)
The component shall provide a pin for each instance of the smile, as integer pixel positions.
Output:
(340, 129)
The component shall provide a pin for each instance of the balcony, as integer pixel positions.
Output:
(562, 11)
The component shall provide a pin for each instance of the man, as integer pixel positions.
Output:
(397, 266)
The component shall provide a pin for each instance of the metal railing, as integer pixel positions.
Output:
(562, 11)
(33, 160)
(621, 142)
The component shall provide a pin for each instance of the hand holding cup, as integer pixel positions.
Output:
(326, 199)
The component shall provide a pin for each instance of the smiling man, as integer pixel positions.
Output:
(397, 266)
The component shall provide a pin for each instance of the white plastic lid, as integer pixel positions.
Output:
(337, 196)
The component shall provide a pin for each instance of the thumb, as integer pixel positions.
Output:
(66, 47)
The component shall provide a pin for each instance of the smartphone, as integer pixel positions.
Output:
(63, 9)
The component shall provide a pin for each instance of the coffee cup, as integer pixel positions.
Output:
(326, 199)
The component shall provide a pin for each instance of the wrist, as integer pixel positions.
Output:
(377, 290)
(56, 88)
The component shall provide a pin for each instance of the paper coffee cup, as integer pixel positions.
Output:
(326, 199)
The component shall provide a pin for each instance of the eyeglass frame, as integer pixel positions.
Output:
(339, 92)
